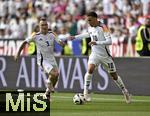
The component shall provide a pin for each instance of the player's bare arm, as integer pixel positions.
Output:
(19, 51)
(26, 41)
(71, 37)
(62, 43)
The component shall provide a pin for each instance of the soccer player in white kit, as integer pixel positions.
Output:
(100, 39)
(44, 41)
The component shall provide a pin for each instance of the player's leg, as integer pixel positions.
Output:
(117, 79)
(87, 81)
(52, 77)
(51, 82)
(92, 63)
(54, 74)
(110, 67)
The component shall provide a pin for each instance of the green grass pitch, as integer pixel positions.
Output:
(101, 105)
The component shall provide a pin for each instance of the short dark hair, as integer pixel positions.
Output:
(92, 14)
(43, 19)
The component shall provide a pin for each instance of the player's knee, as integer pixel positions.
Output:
(114, 76)
(91, 68)
(90, 71)
(56, 74)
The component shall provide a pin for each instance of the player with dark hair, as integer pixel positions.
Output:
(100, 39)
(44, 41)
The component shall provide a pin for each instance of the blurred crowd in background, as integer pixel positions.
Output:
(18, 18)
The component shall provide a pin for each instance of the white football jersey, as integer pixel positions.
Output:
(97, 34)
(100, 35)
(44, 45)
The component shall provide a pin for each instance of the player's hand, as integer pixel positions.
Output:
(16, 57)
(71, 37)
(92, 43)
(62, 43)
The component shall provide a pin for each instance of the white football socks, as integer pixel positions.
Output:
(120, 83)
(87, 81)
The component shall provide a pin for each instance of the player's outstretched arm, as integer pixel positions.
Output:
(19, 51)
(80, 36)
(71, 38)
(61, 42)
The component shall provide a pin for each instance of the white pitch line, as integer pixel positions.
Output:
(104, 99)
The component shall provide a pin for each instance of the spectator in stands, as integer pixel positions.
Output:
(145, 6)
(2, 33)
(133, 27)
(143, 39)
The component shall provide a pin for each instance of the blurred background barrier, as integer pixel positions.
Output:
(26, 75)
(8, 47)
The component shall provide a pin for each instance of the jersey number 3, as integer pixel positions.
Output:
(47, 43)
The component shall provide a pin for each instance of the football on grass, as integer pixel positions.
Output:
(78, 99)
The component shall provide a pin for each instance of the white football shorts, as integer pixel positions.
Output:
(48, 66)
(107, 62)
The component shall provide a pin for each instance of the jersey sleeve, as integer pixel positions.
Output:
(106, 42)
(106, 31)
(107, 36)
(81, 36)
